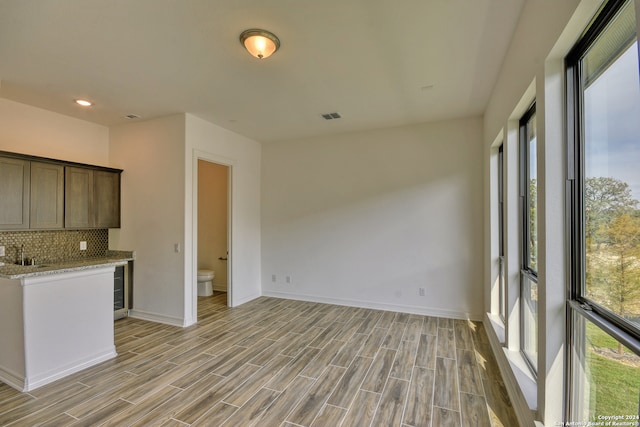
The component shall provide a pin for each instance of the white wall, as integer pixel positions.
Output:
(213, 143)
(30, 130)
(151, 153)
(368, 218)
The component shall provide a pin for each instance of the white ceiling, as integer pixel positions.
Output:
(377, 62)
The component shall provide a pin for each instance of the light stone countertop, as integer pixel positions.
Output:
(111, 258)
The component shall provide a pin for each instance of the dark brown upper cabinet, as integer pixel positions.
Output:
(92, 198)
(40, 193)
(106, 199)
(47, 196)
(15, 178)
(78, 196)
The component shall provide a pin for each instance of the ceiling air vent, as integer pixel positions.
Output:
(331, 116)
(131, 116)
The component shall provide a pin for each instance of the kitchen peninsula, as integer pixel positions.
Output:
(56, 319)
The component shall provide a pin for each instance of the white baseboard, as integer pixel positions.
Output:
(425, 311)
(177, 321)
(12, 379)
(220, 288)
(240, 301)
(155, 317)
(25, 384)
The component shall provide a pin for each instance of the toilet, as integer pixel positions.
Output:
(205, 284)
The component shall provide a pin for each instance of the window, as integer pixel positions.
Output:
(604, 216)
(529, 247)
(502, 298)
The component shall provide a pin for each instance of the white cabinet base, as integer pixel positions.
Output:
(55, 325)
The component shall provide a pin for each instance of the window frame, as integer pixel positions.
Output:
(526, 270)
(576, 168)
(524, 190)
(502, 297)
(577, 302)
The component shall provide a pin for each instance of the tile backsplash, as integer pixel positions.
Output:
(53, 245)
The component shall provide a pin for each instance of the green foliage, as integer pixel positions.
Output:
(533, 223)
(614, 271)
(612, 246)
(600, 339)
(612, 232)
(613, 384)
(604, 199)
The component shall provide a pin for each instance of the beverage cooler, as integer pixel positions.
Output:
(121, 292)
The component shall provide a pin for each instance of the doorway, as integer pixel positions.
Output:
(213, 236)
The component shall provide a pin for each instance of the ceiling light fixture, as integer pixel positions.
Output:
(84, 102)
(259, 43)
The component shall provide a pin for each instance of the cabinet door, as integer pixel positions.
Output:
(78, 198)
(106, 198)
(14, 193)
(47, 196)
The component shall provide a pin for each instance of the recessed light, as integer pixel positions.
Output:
(84, 102)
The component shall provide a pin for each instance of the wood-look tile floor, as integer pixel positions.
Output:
(274, 362)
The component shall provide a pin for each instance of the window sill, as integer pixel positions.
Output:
(498, 326)
(520, 382)
(527, 383)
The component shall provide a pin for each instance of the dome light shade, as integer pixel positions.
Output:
(259, 43)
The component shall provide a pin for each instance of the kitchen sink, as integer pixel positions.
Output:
(32, 266)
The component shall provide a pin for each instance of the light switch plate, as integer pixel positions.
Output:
(1, 250)
(83, 246)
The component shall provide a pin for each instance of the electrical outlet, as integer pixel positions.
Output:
(422, 291)
(83, 246)
(274, 278)
(288, 280)
(1, 250)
